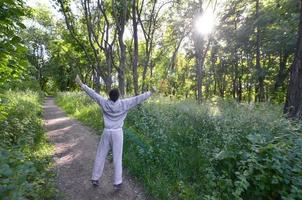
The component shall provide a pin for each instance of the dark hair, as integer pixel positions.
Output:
(114, 94)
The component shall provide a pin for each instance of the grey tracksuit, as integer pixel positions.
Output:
(114, 114)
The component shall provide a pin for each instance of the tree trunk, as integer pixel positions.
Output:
(240, 83)
(198, 57)
(239, 92)
(249, 91)
(222, 87)
(121, 70)
(260, 74)
(108, 55)
(145, 64)
(293, 104)
(200, 53)
(235, 56)
(283, 72)
(96, 80)
(135, 48)
(148, 29)
(234, 87)
(120, 14)
(221, 82)
(108, 83)
(174, 55)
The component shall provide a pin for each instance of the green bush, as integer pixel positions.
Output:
(218, 150)
(25, 155)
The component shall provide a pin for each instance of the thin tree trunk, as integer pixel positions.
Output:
(145, 64)
(108, 54)
(221, 79)
(234, 87)
(200, 54)
(96, 80)
(120, 15)
(198, 43)
(173, 58)
(235, 56)
(121, 70)
(239, 91)
(282, 73)
(135, 48)
(260, 74)
(95, 51)
(148, 32)
(108, 83)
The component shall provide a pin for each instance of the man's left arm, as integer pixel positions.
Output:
(133, 101)
(95, 96)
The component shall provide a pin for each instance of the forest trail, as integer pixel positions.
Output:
(75, 148)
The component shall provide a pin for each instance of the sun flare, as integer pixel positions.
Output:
(205, 23)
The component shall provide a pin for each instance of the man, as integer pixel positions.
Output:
(114, 113)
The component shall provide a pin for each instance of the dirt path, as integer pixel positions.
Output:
(75, 148)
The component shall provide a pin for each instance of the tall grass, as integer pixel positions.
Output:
(81, 107)
(25, 155)
(217, 150)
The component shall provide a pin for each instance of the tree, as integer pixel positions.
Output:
(149, 21)
(120, 12)
(134, 9)
(37, 37)
(97, 36)
(13, 61)
(293, 103)
(201, 47)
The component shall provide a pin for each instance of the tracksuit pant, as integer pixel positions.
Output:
(111, 138)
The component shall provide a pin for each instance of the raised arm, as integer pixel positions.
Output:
(133, 101)
(95, 96)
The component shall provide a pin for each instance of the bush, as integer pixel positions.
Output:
(25, 155)
(218, 150)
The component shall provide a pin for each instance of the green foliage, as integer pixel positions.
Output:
(218, 150)
(81, 107)
(63, 65)
(25, 155)
(13, 60)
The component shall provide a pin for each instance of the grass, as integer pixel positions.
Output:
(217, 150)
(25, 154)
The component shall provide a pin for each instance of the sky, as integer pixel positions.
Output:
(47, 3)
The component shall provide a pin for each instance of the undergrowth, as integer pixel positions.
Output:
(217, 150)
(25, 155)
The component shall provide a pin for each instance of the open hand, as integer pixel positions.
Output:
(78, 80)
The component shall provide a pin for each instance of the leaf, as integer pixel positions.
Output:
(224, 155)
(21, 25)
(254, 138)
(16, 39)
(5, 170)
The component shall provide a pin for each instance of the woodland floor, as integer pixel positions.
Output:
(75, 148)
